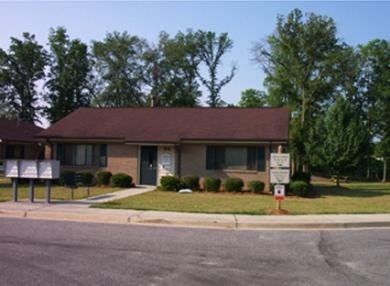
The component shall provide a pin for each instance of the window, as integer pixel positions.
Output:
(14, 151)
(235, 158)
(82, 154)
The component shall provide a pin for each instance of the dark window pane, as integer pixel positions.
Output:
(220, 159)
(210, 157)
(261, 158)
(236, 158)
(251, 158)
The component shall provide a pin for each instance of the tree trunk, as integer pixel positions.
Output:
(384, 178)
(368, 169)
(338, 180)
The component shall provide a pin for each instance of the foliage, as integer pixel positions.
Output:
(67, 178)
(256, 186)
(69, 76)
(301, 176)
(86, 178)
(118, 63)
(233, 185)
(172, 69)
(305, 66)
(252, 98)
(190, 182)
(121, 180)
(338, 139)
(300, 188)
(103, 178)
(20, 70)
(212, 184)
(170, 183)
(211, 49)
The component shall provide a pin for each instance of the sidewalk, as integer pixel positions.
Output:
(79, 211)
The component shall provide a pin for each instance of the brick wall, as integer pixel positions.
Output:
(193, 162)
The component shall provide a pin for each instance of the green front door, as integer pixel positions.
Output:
(148, 165)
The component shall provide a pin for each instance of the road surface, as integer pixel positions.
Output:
(36, 252)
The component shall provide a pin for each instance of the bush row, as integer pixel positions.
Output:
(104, 178)
(211, 184)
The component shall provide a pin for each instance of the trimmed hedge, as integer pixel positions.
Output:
(300, 188)
(121, 180)
(233, 185)
(103, 178)
(67, 178)
(212, 184)
(170, 183)
(190, 182)
(301, 176)
(256, 186)
(86, 178)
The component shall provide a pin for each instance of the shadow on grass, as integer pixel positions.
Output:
(352, 191)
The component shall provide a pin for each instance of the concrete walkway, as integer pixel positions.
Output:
(79, 211)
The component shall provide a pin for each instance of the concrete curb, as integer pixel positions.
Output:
(132, 217)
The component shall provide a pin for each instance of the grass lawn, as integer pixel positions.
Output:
(57, 192)
(350, 198)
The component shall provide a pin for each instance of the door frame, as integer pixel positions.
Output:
(140, 163)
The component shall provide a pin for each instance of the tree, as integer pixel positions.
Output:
(337, 141)
(120, 70)
(20, 71)
(252, 98)
(211, 50)
(172, 70)
(68, 79)
(376, 91)
(304, 63)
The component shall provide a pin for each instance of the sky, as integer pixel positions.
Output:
(245, 22)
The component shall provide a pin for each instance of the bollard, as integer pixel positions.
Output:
(15, 189)
(48, 191)
(31, 190)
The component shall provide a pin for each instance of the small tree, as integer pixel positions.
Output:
(338, 139)
(252, 98)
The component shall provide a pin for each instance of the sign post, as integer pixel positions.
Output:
(279, 175)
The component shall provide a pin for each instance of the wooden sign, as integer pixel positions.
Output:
(279, 192)
(279, 176)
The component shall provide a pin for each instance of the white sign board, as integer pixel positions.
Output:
(166, 159)
(28, 169)
(280, 160)
(11, 168)
(49, 169)
(279, 192)
(280, 176)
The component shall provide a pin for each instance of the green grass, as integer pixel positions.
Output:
(57, 192)
(350, 198)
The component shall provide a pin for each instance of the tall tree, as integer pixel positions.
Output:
(20, 71)
(337, 141)
(252, 98)
(211, 50)
(303, 61)
(376, 91)
(120, 70)
(68, 79)
(172, 68)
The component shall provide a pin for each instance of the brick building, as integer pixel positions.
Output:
(148, 143)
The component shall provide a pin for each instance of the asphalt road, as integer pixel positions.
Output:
(43, 253)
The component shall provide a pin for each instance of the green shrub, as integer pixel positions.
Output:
(103, 178)
(233, 185)
(212, 184)
(121, 180)
(86, 178)
(190, 182)
(170, 183)
(256, 186)
(301, 176)
(300, 188)
(67, 178)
